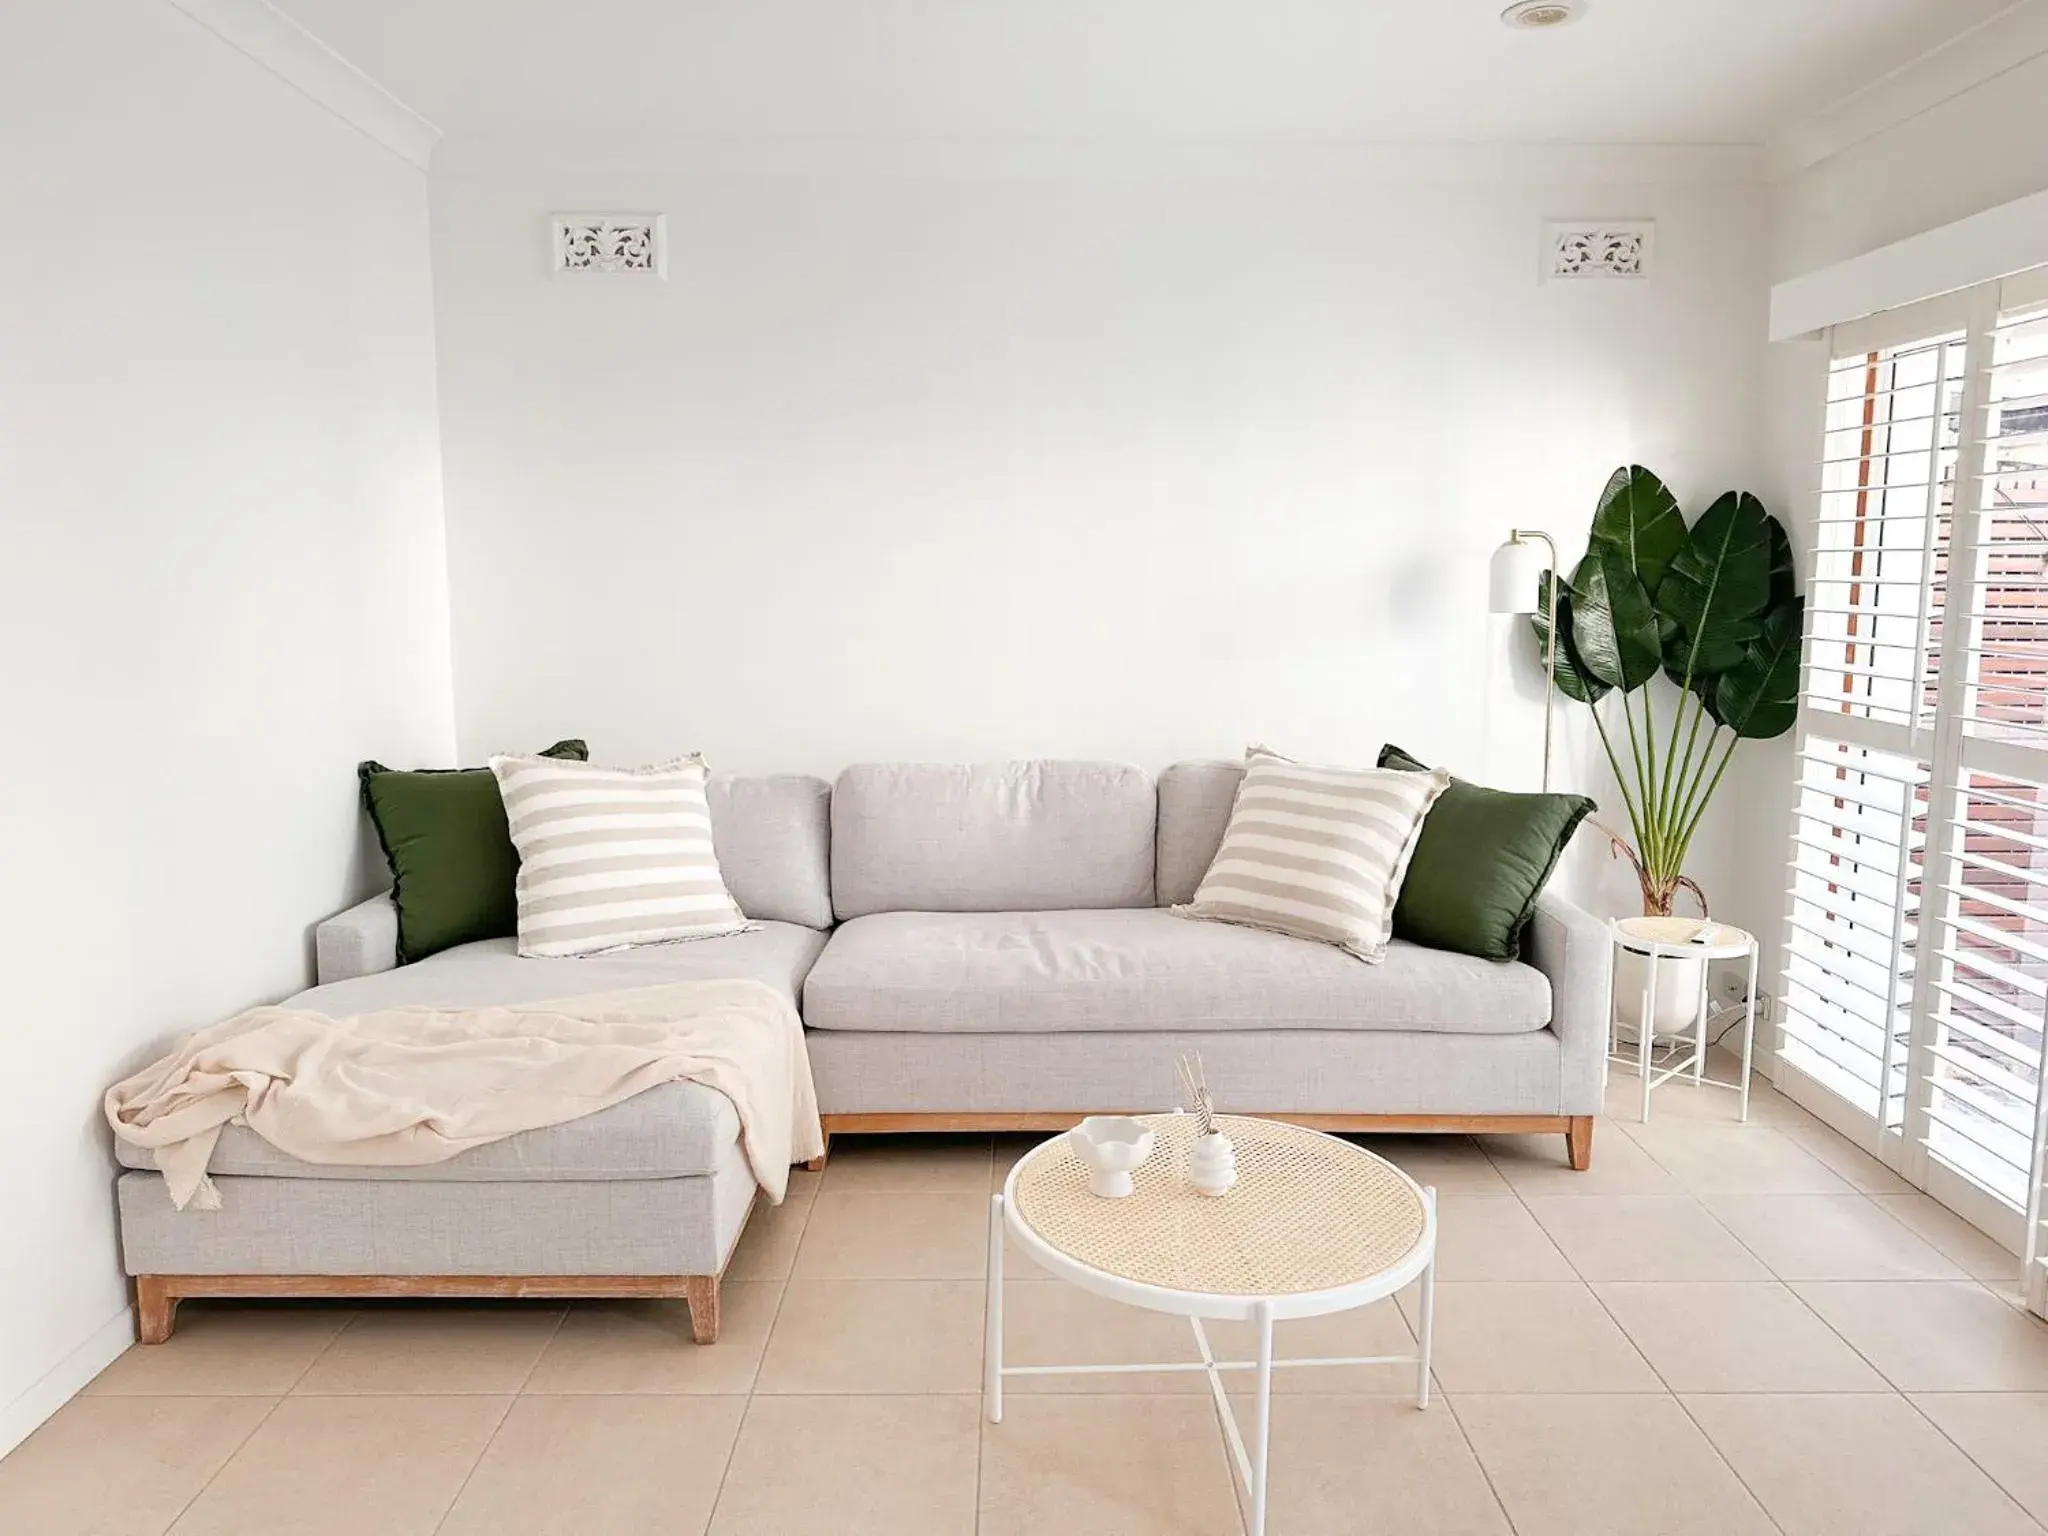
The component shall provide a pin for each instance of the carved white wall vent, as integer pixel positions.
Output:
(612, 242)
(1580, 249)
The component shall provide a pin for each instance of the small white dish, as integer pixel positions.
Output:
(1110, 1146)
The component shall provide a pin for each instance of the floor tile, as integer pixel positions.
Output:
(1842, 1156)
(227, 1349)
(853, 1466)
(1644, 1237)
(1933, 1337)
(2004, 1433)
(896, 1237)
(1617, 1466)
(1537, 1165)
(645, 1346)
(909, 1336)
(928, 1164)
(1736, 1160)
(348, 1465)
(1059, 1324)
(1493, 1237)
(1449, 1163)
(767, 1246)
(1379, 1329)
(1829, 1237)
(430, 1347)
(1333, 1458)
(1855, 1466)
(1678, 1099)
(1107, 1466)
(1953, 1236)
(621, 1465)
(63, 1479)
(1530, 1338)
(1735, 1338)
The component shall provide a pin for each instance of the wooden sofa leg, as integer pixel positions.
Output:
(156, 1309)
(817, 1164)
(701, 1291)
(1579, 1142)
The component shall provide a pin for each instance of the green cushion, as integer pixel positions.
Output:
(1482, 860)
(452, 861)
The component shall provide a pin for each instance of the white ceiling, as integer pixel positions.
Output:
(1633, 71)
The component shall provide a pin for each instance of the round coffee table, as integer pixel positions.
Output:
(1313, 1225)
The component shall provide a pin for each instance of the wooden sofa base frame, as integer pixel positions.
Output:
(1577, 1130)
(157, 1296)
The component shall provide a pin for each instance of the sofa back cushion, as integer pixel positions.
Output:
(773, 834)
(1035, 836)
(1194, 808)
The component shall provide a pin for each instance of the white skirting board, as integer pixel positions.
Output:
(61, 1383)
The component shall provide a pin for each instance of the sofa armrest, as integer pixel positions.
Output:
(1572, 948)
(359, 942)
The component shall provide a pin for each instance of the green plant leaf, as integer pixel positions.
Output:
(1718, 587)
(1573, 680)
(1613, 624)
(1784, 580)
(1758, 698)
(1637, 524)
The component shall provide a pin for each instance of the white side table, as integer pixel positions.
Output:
(1313, 1225)
(1658, 940)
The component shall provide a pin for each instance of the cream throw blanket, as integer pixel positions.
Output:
(400, 1087)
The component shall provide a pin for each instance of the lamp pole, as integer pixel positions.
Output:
(1522, 536)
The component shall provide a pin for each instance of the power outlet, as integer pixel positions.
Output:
(1729, 983)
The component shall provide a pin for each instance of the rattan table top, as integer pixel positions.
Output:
(1308, 1212)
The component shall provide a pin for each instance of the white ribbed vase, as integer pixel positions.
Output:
(1212, 1164)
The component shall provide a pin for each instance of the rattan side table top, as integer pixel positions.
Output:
(1308, 1212)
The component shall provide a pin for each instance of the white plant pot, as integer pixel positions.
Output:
(1679, 981)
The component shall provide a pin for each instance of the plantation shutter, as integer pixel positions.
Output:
(1979, 1089)
(1866, 725)
(1916, 957)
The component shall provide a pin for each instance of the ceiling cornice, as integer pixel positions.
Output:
(316, 71)
(1424, 164)
(1986, 51)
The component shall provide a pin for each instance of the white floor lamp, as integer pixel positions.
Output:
(1515, 578)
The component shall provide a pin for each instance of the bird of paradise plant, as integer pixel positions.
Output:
(1715, 608)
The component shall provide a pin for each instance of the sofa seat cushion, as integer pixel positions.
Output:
(678, 1130)
(1145, 969)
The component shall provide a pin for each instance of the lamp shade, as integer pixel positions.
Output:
(1516, 575)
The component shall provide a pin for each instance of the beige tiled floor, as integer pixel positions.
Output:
(1717, 1329)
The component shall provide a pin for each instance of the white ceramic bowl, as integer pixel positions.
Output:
(1111, 1146)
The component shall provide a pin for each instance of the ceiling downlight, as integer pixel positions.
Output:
(1542, 15)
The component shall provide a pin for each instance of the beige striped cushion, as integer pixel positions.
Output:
(1317, 852)
(612, 857)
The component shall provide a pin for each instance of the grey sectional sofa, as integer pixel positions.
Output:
(971, 947)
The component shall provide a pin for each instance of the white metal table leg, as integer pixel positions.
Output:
(1646, 1029)
(1426, 1332)
(1749, 1029)
(1699, 1039)
(1265, 1424)
(992, 1345)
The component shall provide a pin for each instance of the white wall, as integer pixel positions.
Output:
(223, 583)
(981, 455)
(1979, 148)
